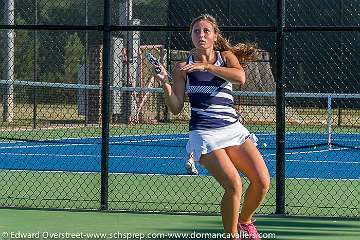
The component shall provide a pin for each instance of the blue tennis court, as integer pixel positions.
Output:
(165, 154)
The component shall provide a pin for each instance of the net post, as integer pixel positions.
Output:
(329, 120)
(280, 109)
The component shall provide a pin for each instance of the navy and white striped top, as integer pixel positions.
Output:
(210, 98)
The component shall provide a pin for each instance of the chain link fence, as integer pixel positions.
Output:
(56, 154)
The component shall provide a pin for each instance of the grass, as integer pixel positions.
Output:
(45, 114)
(133, 192)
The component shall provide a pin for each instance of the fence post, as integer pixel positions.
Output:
(105, 106)
(9, 64)
(329, 120)
(280, 109)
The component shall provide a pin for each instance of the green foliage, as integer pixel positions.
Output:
(73, 56)
(151, 11)
(24, 53)
(1, 53)
(61, 12)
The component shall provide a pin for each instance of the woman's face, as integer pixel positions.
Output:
(203, 35)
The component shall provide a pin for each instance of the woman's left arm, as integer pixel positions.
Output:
(233, 72)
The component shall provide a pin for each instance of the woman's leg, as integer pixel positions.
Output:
(247, 159)
(220, 166)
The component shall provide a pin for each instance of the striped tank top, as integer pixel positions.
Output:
(211, 99)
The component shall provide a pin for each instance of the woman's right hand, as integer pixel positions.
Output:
(160, 73)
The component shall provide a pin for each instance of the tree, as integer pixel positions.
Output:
(24, 53)
(73, 57)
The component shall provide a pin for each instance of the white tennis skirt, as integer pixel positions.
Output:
(205, 141)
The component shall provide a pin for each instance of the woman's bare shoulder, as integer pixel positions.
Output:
(227, 54)
(179, 65)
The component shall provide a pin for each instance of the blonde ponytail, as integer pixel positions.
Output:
(245, 52)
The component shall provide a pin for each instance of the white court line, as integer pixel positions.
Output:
(160, 174)
(80, 138)
(48, 145)
(87, 144)
(110, 173)
(149, 140)
(330, 179)
(314, 161)
(307, 152)
(155, 157)
(87, 155)
(49, 155)
(321, 161)
(264, 134)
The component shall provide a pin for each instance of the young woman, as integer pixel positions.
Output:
(217, 139)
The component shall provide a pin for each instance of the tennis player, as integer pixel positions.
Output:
(217, 139)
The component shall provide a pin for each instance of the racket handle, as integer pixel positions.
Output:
(157, 70)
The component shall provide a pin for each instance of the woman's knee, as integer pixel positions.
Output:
(233, 186)
(262, 183)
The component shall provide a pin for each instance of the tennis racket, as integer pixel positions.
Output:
(153, 61)
(156, 63)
